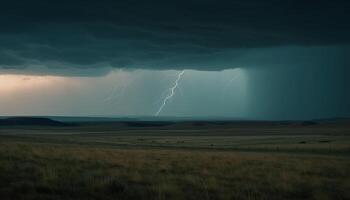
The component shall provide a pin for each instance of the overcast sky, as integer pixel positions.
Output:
(244, 59)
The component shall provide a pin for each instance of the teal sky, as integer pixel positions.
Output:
(126, 93)
(246, 59)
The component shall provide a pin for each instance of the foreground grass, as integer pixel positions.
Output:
(33, 171)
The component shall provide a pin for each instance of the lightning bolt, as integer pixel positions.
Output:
(171, 94)
(118, 92)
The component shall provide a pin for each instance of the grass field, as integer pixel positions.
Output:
(217, 162)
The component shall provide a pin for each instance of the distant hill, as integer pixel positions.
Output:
(165, 122)
(31, 121)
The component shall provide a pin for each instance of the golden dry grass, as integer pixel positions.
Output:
(33, 171)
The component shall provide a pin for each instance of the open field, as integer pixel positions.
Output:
(176, 161)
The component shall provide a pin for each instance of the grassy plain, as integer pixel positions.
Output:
(239, 161)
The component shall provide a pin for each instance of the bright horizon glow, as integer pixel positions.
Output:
(11, 83)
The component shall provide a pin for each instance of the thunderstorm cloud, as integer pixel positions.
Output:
(41, 36)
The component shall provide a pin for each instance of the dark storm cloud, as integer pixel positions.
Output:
(205, 35)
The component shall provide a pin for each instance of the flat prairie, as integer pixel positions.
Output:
(188, 160)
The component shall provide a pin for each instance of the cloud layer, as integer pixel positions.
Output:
(204, 35)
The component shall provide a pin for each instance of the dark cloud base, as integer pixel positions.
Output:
(203, 35)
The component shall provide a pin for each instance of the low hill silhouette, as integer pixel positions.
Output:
(31, 121)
